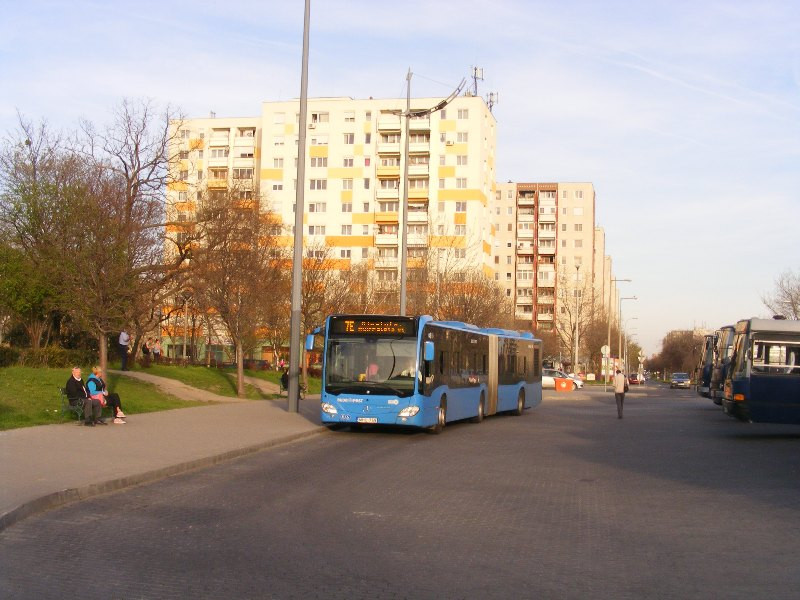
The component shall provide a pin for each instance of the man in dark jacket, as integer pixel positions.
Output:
(76, 390)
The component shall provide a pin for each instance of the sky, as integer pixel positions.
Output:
(685, 115)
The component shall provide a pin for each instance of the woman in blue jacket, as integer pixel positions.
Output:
(97, 389)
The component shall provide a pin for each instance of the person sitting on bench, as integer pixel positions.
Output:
(76, 390)
(97, 389)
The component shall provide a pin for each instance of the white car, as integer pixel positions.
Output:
(549, 376)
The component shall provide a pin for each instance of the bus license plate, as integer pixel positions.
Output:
(367, 419)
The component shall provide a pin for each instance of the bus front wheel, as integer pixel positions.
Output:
(441, 417)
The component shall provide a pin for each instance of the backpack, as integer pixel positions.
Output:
(145, 349)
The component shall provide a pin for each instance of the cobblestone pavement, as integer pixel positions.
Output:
(674, 501)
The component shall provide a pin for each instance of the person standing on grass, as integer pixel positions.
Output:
(620, 383)
(123, 342)
(157, 351)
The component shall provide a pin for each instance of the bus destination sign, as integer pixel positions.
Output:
(372, 326)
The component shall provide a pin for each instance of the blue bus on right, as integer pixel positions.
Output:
(762, 384)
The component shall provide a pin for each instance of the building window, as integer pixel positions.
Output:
(347, 230)
(347, 184)
(366, 183)
(367, 138)
(348, 162)
(441, 183)
(184, 134)
(368, 116)
(277, 163)
(461, 160)
(316, 230)
(347, 207)
(418, 184)
(579, 194)
(350, 116)
(579, 243)
(365, 230)
(183, 155)
(389, 206)
(461, 230)
(242, 173)
(319, 117)
(364, 252)
(318, 161)
(461, 183)
(277, 186)
(317, 207)
(463, 113)
(219, 152)
(349, 138)
(578, 227)
(277, 141)
(461, 207)
(320, 140)
(184, 175)
(343, 253)
(462, 136)
(318, 184)
(366, 207)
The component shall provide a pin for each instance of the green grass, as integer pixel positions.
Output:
(29, 396)
(314, 383)
(212, 379)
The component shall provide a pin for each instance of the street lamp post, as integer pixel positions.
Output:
(608, 336)
(577, 318)
(619, 333)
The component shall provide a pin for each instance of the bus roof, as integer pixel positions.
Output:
(770, 325)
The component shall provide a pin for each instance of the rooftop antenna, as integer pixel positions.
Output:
(492, 99)
(477, 74)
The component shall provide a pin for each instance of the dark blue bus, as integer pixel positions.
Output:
(763, 382)
(723, 348)
(705, 367)
(417, 372)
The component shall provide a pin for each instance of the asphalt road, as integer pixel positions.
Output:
(674, 501)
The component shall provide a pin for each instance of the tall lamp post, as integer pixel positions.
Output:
(619, 333)
(577, 318)
(626, 342)
(608, 336)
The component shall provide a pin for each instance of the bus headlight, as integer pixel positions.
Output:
(408, 411)
(329, 408)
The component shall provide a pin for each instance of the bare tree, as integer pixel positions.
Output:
(785, 298)
(236, 265)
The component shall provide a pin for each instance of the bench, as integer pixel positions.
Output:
(71, 405)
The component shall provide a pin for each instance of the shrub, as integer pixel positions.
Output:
(8, 356)
(56, 357)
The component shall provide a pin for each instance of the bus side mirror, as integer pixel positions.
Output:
(428, 351)
(310, 342)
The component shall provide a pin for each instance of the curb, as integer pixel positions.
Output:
(68, 496)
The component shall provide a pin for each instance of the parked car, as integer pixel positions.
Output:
(635, 379)
(680, 380)
(549, 376)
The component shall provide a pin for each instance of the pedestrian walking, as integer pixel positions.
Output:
(123, 342)
(620, 387)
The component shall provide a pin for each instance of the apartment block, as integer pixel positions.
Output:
(547, 248)
(353, 169)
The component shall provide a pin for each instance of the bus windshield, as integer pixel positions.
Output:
(371, 365)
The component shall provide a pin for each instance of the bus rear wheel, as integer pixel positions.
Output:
(520, 404)
(481, 410)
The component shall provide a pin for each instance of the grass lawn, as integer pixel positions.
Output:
(212, 379)
(30, 396)
(314, 383)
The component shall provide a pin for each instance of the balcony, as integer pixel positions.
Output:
(386, 217)
(387, 194)
(392, 172)
(546, 283)
(386, 262)
(524, 217)
(420, 124)
(244, 141)
(547, 235)
(417, 216)
(417, 170)
(389, 123)
(217, 183)
(548, 217)
(419, 147)
(525, 200)
(525, 234)
(417, 239)
(547, 249)
(219, 140)
(386, 239)
(418, 194)
(524, 266)
(546, 300)
(218, 162)
(524, 301)
(388, 147)
(544, 317)
(524, 248)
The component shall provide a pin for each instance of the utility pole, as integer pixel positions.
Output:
(608, 336)
(577, 317)
(295, 349)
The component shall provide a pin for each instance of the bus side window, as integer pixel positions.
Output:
(441, 362)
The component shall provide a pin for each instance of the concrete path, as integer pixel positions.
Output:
(50, 465)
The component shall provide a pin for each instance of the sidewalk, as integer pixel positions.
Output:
(51, 465)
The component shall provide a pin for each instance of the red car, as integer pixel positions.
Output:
(635, 379)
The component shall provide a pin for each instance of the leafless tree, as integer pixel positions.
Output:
(785, 298)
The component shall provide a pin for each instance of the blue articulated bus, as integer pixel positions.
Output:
(763, 381)
(417, 372)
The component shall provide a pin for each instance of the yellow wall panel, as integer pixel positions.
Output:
(447, 171)
(448, 241)
(358, 149)
(447, 125)
(460, 218)
(488, 272)
(347, 196)
(468, 194)
(386, 217)
(272, 174)
(178, 186)
(288, 129)
(457, 149)
(487, 248)
(363, 218)
(317, 151)
(368, 127)
(344, 172)
(195, 144)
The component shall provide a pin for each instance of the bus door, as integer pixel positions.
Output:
(491, 408)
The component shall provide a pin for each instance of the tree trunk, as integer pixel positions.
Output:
(35, 328)
(102, 344)
(239, 369)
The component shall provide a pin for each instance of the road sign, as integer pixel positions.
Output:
(606, 351)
